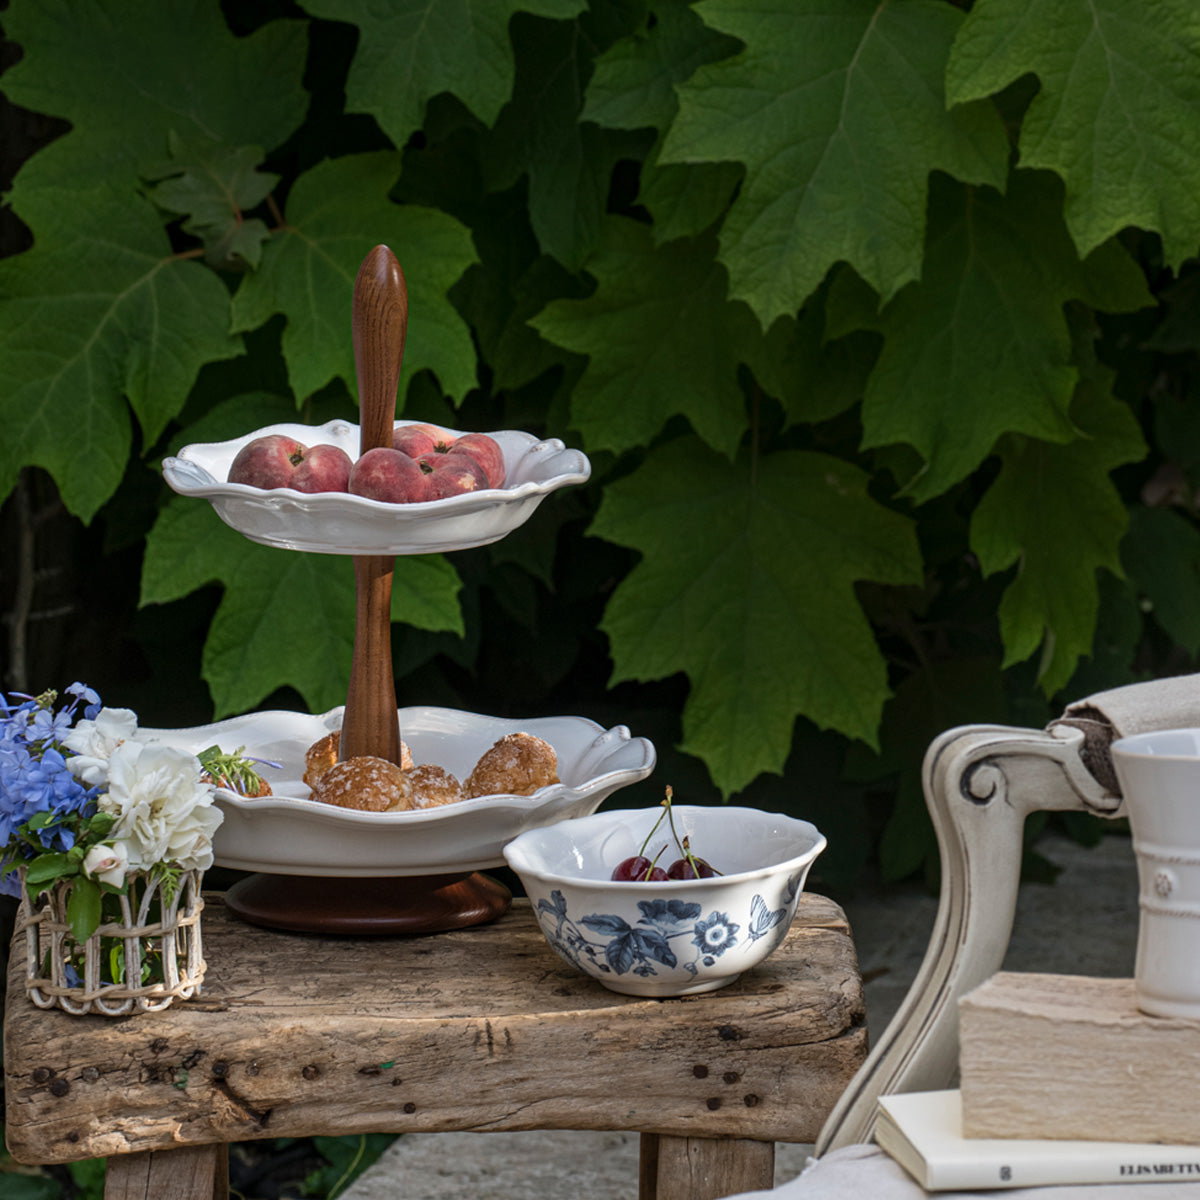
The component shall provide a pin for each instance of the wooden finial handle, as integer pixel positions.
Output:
(379, 320)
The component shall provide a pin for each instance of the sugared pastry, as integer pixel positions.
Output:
(431, 787)
(323, 753)
(517, 765)
(366, 783)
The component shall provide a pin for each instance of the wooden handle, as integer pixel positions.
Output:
(380, 325)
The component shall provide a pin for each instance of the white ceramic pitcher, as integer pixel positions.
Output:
(1159, 773)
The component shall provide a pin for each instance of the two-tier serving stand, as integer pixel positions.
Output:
(318, 868)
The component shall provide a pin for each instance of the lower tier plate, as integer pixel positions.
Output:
(288, 833)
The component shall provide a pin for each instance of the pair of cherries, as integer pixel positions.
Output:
(640, 869)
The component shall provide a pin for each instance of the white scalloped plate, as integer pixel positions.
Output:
(339, 523)
(289, 834)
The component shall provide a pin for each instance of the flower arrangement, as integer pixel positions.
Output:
(107, 826)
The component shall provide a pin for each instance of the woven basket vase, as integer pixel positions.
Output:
(50, 947)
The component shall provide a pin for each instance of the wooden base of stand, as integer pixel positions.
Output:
(377, 905)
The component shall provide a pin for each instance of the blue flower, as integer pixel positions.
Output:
(715, 935)
(34, 777)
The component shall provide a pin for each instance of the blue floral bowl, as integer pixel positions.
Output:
(675, 937)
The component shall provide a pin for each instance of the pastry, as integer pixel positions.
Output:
(366, 783)
(323, 753)
(517, 765)
(431, 787)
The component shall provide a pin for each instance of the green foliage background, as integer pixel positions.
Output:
(878, 322)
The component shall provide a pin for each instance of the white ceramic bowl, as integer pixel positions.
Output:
(339, 523)
(289, 834)
(673, 938)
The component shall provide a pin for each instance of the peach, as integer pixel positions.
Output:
(323, 469)
(277, 461)
(389, 475)
(415, 440)
(451, 474)
(486, 452)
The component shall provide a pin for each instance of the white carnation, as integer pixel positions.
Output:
(164, 810)
(92, 743)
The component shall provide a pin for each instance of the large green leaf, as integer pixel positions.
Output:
(839, 114)
(661, 340)
(746, 583)
(99, 310)
(411, 50)
(568, 163)
(1054, 514)
(981, 347)
(633, 87)
(634, 83)
(213, 186)
(285, 619)
(126, 73)
(1117, 114)
(336, 213)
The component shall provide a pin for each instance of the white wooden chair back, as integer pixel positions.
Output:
(981, 782)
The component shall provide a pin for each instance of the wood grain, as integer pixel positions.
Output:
(379, 323)
(682, 1168)
(477, 1029)
(1068, 1056)
(189, 1174)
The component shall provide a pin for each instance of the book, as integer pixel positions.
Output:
(922, 1131)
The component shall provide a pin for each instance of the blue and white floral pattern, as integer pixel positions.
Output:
(672, 934)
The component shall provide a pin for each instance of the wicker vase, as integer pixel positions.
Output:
(142, 962)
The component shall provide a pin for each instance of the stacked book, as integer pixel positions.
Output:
(1063, 1081)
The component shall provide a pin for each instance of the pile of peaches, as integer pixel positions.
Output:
(423, 463)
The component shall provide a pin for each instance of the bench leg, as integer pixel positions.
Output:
(189, 1173)
(685, 1168)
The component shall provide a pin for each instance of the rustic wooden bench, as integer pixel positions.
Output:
(482, 1029)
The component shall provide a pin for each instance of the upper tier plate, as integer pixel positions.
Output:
(339, 523)
(289, 834)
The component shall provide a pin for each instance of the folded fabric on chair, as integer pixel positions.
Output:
(1121, 712)
(865, 1172)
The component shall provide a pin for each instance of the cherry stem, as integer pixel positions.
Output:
(650, 868)
(652, 833)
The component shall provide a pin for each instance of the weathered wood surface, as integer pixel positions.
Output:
(477, 1029)
(1070, 1056)
(192, 1173)
(681, 1168)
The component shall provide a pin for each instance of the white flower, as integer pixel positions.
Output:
(165, 812)
(107, 863)
(92, 742)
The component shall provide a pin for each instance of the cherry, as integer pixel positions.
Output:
(693, 868)
(631, 869)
